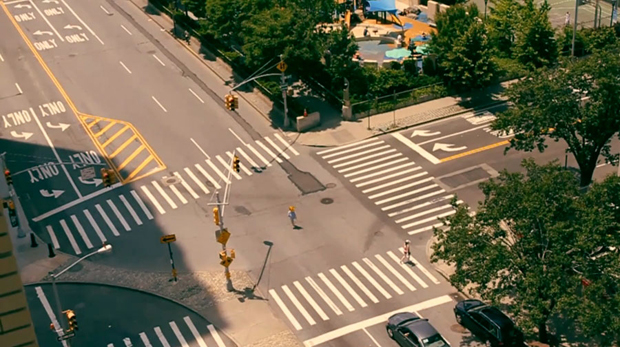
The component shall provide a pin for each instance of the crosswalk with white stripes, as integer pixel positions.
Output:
(393, 182)
(185, 334)
(352, 286)
(97, 224)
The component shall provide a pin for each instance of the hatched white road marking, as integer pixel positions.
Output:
(359, 283)
(372, 162)
(107, 220)
(95, 226)
(372, 280)
(194, 331)
(379, 173)
(331, 287)
(391, 183)
(324, 296)
(243, 167)
(285, 309)
(260, 156)
(394, 272)
(416, 207)
(81, 231)
(413, 192)
(216, 336)
(408, 201)
(248, 158)
(425, 212)
(433, 218)
(229, 166)
(383, 276)
(364, 158)
(277, 148)
(348, 288)
(118, 215)
(358, 154)
(421, 230)
(372, 168)
(65, 227)
(127, 342)
(186, 186)
(286, 144)
(351, 150)
(50, 231)
(176, 192)
(273, 155)
(207, 176)
(162, 193)
(404, 186)
(145, 340)
(217, 171)
(196, 180)
(346, 146)
(142, 205)
(407, 268)
(153, 200)
(297, 304)
(310, 300)
(161, 337)
(130, 209)
(423, 269)
(178, 334)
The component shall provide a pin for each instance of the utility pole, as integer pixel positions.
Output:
(282, 67)
(575, 27)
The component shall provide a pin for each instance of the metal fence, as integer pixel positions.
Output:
(398, 100)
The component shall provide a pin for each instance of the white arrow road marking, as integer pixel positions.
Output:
(54, 193)
(424, 133)
(39, 32)
(95, 181)
(447, 147)
(69, 26)
(24, 135)
(22, 6)
(61, 126)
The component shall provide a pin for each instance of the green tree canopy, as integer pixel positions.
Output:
(502, 23)
(535, 44)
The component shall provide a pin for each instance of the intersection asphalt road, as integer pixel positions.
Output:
(109, 316)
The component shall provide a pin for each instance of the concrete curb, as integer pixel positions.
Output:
(438, 268)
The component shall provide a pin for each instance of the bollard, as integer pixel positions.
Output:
(33, 241)
(51, 251)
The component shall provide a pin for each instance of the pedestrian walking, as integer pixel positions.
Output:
(292, 215)
(567, 19)
(406, 253)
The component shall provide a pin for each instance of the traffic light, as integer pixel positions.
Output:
(72, 320)
(236, 163)
(7, 176)
(107, 179)
(216, 216)
(228, 101)
(235, 102)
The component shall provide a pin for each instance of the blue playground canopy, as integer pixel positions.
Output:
(382, 6)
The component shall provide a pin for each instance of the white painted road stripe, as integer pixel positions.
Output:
(176, 192)
(433, 218)
(248, 158)
(196, 95)
(421, 230)
(49, 311)
(277, 148)
(118, 215)
(405, 186)
(207, 176)
(391, 183)
(127, 30)
(130, 209)
(142, 205)
(260, 156)
(127, 342)
(371, 280)
(186, 186)
(408, 201)
(423, 269)
(145, 340)
(81, 231)
(125, 66)
(216, 336)
(161, 337)
(158, 103)
(394, 272)
(423, 213)
(297, 304)
(419, 206)
(352, 150)
(358, 154)
(372, 162)
(345, 146)
(243, 167)
(285, 309)
(359, 283)
(287, 145)
(196, 180)
(217, 171)
(178, 334)
(310, 300)
(390, 176)
(50, 231)
(383, 276)
(331, 287)
(334, 334)
(107, 220)
(364, 158)
(153, 200)
(159, 60)
(194, 331)
(421, 151)
(413, 192)
(229, 166)
(324, 296)
(64, 226)
(162, 193)
(348, 288)
(270, 152)
(379, 173)
(372, 168)
(407, 268)
(95, 226)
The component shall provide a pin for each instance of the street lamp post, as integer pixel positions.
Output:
(485, 9)
(105, 248)
(575, 27)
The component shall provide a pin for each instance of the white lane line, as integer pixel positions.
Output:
(127, 30)
(310, 300)
(176, 192)
(345, 146)
(228, 165)
(352, 150)
(50, 231)
(207, 176)
(287, 145)
(372, 168)
(196, 180)
(81, 21)
(160, 105)
(421, 230)
(371, 280)
(371, 337)
(277, 148)
(127, 342)
(413, 192)
(107, 220)
(200, 149)
(391, 183)
(359, 283)
(358, 154)
(433, 218)
(334, 334)
(130, 209)
(386, 177)
(1, 58)
(142, 205)
(49, 311)
(192, 328)
(118, 214)
(348, 288)
(104, 10)
(125, 66)
(162, 193)
(178, 334)
(297, 304)
(95, 226)
(423, 269)
(153, 200)
(404, 186)
(425, 212)
(407, 269)
(340, 297)
(161, 337)
(196, 95)
(216, 335)
(323, 296)
(159, 60)
(46, 21)
(421, 151)
(145, 340)
(248, 158)
(19, 89)
(243, 167)
(65, 227)
(285, 309)
(383, 276)
(260, 156)
(364, 158)
(380, 173)
(273, 155)
(419, 206)
(217, 171)
(394, 272)
(372, 162)
(408, 201)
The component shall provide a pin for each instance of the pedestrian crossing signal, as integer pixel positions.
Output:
(72, 320)
(216, 216)
(7, 176)
(236, 164)
(229, 101)
(106, 178)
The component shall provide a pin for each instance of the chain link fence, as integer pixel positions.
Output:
(398, 100)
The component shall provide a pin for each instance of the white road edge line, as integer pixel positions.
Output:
(421, 151)
(19, 89)
(104, 10)
(159, 60)
(127, 30)
(125, 66)
(81, 21)
(158, 103)
(334, 334)
(196, 95)
(200, 148)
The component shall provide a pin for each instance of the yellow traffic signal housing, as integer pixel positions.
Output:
(236, 163)
(105, 177)
(11, 205)
(72, 320)
(228, 101)
(235, 102)
(216, 216)
(7, 176)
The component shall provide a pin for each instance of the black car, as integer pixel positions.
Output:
(410, 330)
(488, 324)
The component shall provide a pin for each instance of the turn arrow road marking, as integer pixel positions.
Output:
(39, 32)
(61, 126)
(22, 6)
(54, 193)
(69, 26)
(95, 181)
(24, 135)
(447, 147)
(424, 133)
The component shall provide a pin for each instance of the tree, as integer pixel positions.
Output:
(535, 44)
(515, 246)
(502, 23)
(197, 7)
(462, 48)
(551, 104)
(339, 52)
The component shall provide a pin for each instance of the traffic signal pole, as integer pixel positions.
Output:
(21, 219)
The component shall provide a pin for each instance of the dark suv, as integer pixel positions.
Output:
(488, 324)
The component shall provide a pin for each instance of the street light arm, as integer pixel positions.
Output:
(74, 264)
(254, 78)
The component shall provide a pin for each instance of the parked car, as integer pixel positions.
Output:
(488, 324)
(409, 330)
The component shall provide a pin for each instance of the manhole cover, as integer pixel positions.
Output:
(457, 328)
(170, 180)
(327, 201)
(330, 185)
